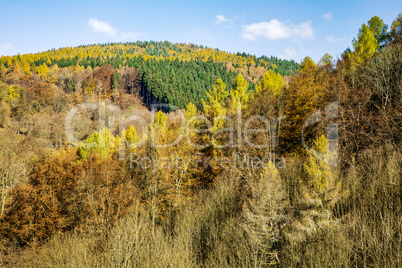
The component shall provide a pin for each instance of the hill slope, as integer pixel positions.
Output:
(172, 73)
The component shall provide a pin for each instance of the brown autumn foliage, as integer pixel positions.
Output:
(308, 92)
(103, 75)
(250, 221)
(266, 106)
(63, 193)
(371, 104)
(43, 92)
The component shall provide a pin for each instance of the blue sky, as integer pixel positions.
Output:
(286, 29)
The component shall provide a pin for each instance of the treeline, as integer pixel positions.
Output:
(134, 53)
(284, 67)
(175, 74)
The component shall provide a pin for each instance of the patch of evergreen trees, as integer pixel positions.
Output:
(179, 83)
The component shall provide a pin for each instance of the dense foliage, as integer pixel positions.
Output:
(174, 74)
(254, 170)
(178, 83)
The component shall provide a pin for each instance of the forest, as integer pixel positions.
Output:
(155, 154)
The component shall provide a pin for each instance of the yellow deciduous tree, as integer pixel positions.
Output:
(310, 90)
(42, 70)
(103, 143)
(130, 137)
(238, 94)
(191, 111)
(271, 81)
(326, 61)
(307, 63)
(379, 28)
(215, 107)
(217, 95)
(366, 45)
(321, 178)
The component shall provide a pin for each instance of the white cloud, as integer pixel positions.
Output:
(276, 30)
(332, 39)
(303, 30)
(102, 27)
(227, 22)
(327, 16)
(4, 48)
(220, 19)
(106, 28)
